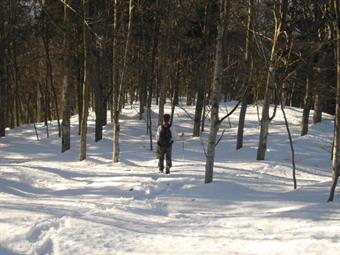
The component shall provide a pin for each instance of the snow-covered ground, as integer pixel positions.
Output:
(50, 203)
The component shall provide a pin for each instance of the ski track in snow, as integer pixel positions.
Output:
(52, 204)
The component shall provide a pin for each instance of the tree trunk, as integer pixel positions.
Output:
(97, 74)
(164, 65)
(317, 115)
(10, 102)
(318, 99)
(3, 85)
(279, 12)
(16, 82)
(199, 103)
(80, 83)
(13, 25)
(120, 93)
(247, 78)
(85, 88)
(216, 91)
(203, 113)
(202, 75)
(142, 85)
(66, 124)
(152, 67)
(336, 148)
(162, 96)
(99, 99)
(49, 72)
(307, 100)
(290, 143)
(3, 80)
(115, 124)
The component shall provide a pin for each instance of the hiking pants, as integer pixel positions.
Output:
(165, 151)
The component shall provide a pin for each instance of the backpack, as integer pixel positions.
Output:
(165, 136)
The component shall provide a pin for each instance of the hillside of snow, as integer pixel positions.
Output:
(50, 203)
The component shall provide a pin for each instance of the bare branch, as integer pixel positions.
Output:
(219, 139)
(235, 107)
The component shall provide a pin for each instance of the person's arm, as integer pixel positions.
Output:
(157, 133)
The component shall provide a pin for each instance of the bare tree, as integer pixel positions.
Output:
(119, 95)
(308, 98)
(280, 9)
(3, 84)
(216, 91)
(66, 123)
(336, 146)
(247, 74)
(164, 65)
(202, 73)
(85, 88)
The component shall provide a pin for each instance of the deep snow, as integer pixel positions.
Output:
(50, 203)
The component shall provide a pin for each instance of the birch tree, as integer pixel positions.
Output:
(216, 91)
(279, 11)
(119, 95)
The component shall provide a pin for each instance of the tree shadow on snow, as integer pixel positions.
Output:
(4, 251)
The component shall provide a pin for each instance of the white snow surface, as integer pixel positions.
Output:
(51, 203)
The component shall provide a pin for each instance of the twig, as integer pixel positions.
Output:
(220, 138)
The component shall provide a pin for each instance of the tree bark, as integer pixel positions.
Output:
(279, 12)
(98, 72)
(15, 71)
(247, 76)
(115, 84)
(3, 84)
(199, 102)
(202, 74)
(85, 88)
(216, 91)
(152, 67)
(336, 148)
(120, 93)
(318, 98)
(307, 100)
(66, 123)
(49, 73)
(164, 65)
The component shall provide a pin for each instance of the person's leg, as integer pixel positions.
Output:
(161, 159)
(168, 159)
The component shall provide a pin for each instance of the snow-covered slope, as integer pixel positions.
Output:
(50, 203)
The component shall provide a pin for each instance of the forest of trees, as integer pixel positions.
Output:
(59, 58)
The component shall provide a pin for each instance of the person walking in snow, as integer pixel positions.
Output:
(165, 137)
